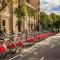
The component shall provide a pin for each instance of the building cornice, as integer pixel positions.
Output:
(30, 6)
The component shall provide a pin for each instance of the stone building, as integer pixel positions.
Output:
(9, 19)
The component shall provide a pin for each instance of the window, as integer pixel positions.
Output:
(3, 23)
(3, 26)
(28, 1)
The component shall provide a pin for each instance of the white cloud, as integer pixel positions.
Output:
(47, 5)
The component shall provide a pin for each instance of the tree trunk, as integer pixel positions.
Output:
(19, 20)
(29, 22)
(34, 25)
(23, 24)
(19, 26)
(52, 28)
(29, 25)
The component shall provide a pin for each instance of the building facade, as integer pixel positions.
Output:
(9, 19)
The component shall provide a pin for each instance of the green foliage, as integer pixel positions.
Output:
(57, 22)
(31, 12)
(45, 19)
(42, 17)
(51, 21)
(20, 11)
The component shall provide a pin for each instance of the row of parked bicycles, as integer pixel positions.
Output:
(13, 43)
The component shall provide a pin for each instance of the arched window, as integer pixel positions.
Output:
(3, 26)
(3, 23)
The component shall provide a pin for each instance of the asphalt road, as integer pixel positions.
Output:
(50, 51)
(42, 53)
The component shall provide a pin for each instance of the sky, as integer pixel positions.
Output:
(50, 6)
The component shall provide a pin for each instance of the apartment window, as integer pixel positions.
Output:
(28, 1)
(3, 23)
(3, 26)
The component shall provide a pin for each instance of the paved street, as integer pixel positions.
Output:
(50, 50)
(42, 53)
(29, 29)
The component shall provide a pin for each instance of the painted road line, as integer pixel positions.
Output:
(27, 54)
(24, 52)
(52, 46)
(42, 58)
(29, 51)
(58, 43)
(44, 44)
(19, 55)
(35, 53)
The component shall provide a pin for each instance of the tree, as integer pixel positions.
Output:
(53, 17)
(20, 12)
(56, 24)
(46, 20)
(32, 13)
(51, 21)
(43, 19)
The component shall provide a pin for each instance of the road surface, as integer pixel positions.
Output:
(50, 51)
(42, 53)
